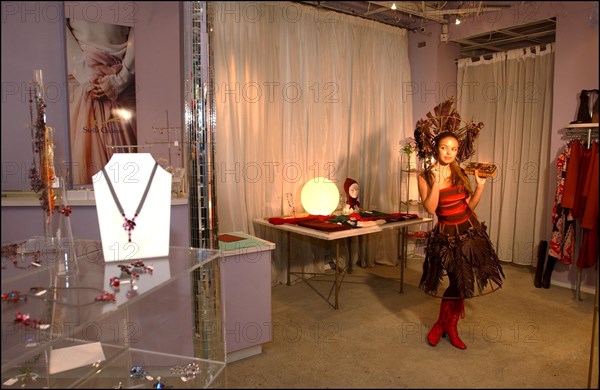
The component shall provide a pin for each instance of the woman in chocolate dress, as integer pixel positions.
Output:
(458, 247)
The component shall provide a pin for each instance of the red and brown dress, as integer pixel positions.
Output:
(459, 247)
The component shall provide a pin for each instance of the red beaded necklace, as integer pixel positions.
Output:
(129, 224)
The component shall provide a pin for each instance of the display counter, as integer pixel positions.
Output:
(71, 320)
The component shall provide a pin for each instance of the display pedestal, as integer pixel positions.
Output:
(133, 184)
(246, 280)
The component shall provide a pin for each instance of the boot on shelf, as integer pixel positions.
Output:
(437, 330)
(583, 114)
(541, 260)
(548, 272)
(458, 311)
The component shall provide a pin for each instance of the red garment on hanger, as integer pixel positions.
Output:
(572, 178)
(588, 252)
(583, 184)
(562, 241)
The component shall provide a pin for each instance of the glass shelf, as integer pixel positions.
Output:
(182, 288)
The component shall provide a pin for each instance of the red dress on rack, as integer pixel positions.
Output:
(586, 208)
(562, 242)
(576, 200)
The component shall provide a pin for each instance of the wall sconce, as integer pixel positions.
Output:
(320, 196)
(457, 21)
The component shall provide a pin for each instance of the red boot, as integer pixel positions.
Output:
(451, 328)
(437, 330)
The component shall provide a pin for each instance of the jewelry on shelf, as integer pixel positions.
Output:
(140, 264)
(66, 210)
(10, 252)
(106, 297)
(26, 373)
(13, 297)
(115, 282)
(48, 294)
(129, 224)
(136, 267)
(126, 269)
(187, 372)
(139, 372)
(26, 320)
(42, 173)
(132, 293)
(158, 384)
(129, 274)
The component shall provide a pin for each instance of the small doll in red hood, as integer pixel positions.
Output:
(352, 203)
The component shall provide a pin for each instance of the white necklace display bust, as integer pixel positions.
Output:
(134, 216)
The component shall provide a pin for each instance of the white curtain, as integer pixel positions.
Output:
(511, 94)
(301, 93)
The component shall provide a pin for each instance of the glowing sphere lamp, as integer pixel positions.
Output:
(320, 196)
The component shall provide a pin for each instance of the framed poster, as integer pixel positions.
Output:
(101, 89)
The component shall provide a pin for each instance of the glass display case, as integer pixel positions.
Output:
(72, 320)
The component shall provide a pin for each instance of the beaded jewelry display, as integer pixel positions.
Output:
(138, 372)
(187, 372)
(26, 320)
(13, 297)
(10, 252)
(47, 294)
(158, 384)
(129, 224)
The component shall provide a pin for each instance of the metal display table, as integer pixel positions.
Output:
(337, 236)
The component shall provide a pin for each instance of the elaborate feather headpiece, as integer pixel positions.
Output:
(445, 118)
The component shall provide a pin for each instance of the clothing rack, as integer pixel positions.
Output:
(585, 132)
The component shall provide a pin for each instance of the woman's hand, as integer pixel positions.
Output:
(436, 170)
(96, 90)
(479, 179)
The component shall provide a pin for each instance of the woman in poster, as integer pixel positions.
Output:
(101, 79)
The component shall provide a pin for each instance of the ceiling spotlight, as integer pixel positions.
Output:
(393, 6)
(457, 21)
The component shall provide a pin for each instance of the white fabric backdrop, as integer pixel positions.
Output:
(301, 93)
(512, 95)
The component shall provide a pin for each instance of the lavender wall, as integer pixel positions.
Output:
(33, 38)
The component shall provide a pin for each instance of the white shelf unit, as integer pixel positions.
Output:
(410, 203)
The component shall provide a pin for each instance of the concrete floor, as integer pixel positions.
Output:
(519, 337)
